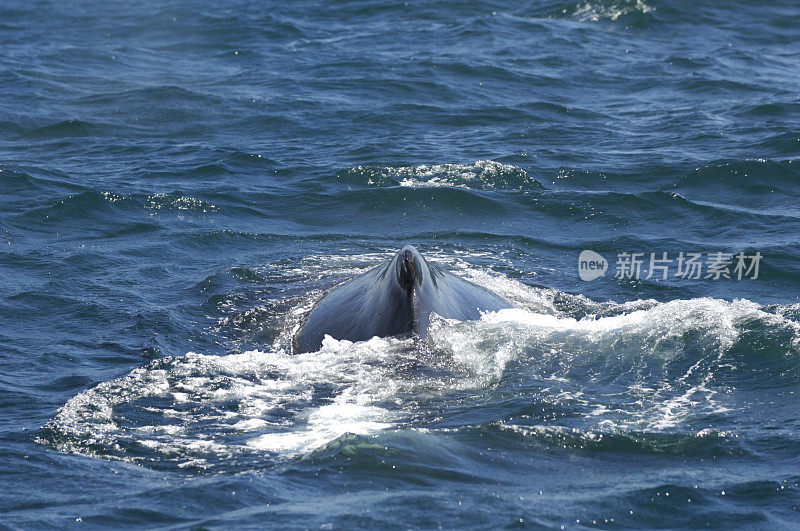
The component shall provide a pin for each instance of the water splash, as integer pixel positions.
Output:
(481, 175)
(643, 366)
(595, 11)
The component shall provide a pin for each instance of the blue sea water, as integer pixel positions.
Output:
(181, 181)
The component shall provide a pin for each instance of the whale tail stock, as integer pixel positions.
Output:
(396, 297)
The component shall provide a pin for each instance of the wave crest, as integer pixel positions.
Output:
(481, 175)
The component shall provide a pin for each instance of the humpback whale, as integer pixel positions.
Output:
(396, 297)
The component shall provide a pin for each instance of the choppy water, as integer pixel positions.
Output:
(181, 181)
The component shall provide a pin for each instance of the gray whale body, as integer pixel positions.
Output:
(396, 297)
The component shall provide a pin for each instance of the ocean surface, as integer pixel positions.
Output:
(181, 181)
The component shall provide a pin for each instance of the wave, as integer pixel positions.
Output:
(597, 10)
(704, 443)
(775, 109)
(644, 376)
(147, 95)
(23, 182)
(69, 129)
(180, 202)
(781, 144)
(116, 211)
(84, 205)
(744, 183)
(481, 175)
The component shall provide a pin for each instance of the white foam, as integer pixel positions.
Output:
(594, 11)
(325, 424)
(483, 174)
(199, 409)
(640, 342)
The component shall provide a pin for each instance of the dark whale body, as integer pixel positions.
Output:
(396, 297)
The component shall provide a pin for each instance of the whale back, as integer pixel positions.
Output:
(453, 297)
(396, 297)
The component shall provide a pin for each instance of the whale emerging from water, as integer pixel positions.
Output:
(396, 297)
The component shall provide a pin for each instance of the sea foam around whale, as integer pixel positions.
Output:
(639, 367)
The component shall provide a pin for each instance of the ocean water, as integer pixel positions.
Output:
(181, 181)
